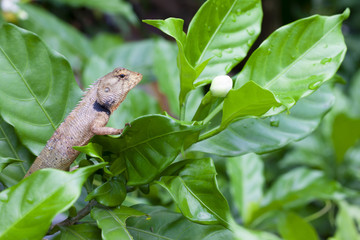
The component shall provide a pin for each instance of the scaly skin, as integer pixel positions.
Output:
(89, 118)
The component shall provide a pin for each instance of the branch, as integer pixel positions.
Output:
(71, 221)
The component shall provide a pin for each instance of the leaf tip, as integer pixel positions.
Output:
(346, 13)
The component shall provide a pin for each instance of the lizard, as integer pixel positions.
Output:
(87, 119)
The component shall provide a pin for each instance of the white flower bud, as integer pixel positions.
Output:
(10, 6)
(221, 85)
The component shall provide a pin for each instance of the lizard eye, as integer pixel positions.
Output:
(122, 75)
(107, 89)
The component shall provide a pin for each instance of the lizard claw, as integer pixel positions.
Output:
(127, 124)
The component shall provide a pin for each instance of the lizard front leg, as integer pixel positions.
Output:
(98, 128)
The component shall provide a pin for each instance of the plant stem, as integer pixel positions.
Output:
(81, 214)
(213, 113)
(318, 214)
(207, 120)
(182, 111)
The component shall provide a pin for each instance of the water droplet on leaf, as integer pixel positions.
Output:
(4, 198)
(274, 121)
(325, 60)
(229, 50)
(238, 11)
(250, 31)
(233, 17)
(228, 68)
(315, 85)
(217, 53)
(249, 43)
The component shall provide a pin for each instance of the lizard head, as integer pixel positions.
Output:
(114, 87)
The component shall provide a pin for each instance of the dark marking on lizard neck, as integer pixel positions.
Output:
(101, 108)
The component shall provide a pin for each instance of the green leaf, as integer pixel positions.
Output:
(354, 94)
(91, 149)
(250, 100)
(196, 193)
(4, 162)
(105, 42)
(37, 87)
(137, 56)
(264, 135)
(109, 6)
(297, 58)
(297, 188)
(86, 231)
(293, 227)
(345, 225)
(247, 182)
(111, 193)
(165, 224)
(174, 28)
(112, 221)
(345, 133)
(167, 73)
(223, 30)
(137, 103)
(242, 233)
(149, 146)
(58, 34)
(37, 199)
(11, 150)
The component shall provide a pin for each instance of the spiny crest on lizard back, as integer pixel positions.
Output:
(114, 86)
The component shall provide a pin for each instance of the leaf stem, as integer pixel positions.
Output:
(216, 130)
(320, 213)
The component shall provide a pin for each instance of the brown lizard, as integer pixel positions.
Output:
(87, 119)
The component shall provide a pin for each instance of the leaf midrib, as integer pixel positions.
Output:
(215, 32)
(29, 88)
(289, 67)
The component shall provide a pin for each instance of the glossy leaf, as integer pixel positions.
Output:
(264, 135)
(223, 30)
(247, 182)
(37, 199)
(293, 227)
(196, 193)
(11, 150)
(86, 231)
(164, 224)
(250, 100)
(91, 149)
(297, 58)
(42, 89)
(112, 221)
(58, 34)
(149, 146)
(111, 193)
(345, 133)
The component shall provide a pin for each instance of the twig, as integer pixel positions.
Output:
(81, 214)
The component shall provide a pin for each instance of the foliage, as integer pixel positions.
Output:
(260, 163)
